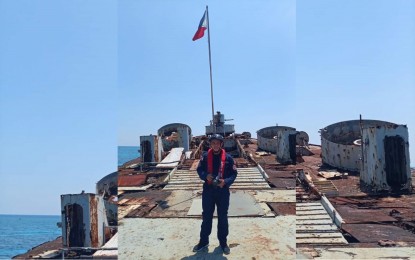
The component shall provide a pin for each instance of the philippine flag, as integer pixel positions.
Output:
(202, 27)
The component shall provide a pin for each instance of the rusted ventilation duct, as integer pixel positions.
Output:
(385, 152)
(280, 140)
(175, 135)
(151, 148)
(83, 220)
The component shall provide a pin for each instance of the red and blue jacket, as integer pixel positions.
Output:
(215, 162)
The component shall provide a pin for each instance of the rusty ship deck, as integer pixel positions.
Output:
(288, 201)
(303, 210)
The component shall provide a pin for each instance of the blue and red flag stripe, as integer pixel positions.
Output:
(202, 27)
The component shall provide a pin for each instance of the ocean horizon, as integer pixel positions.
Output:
(127, 153)
(20, 233)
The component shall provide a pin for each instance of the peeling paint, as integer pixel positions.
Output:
(286, 146)
(175, 135)
(83, 220)
(340, 143)
(386, 163)
(151, 148)
(280, 140)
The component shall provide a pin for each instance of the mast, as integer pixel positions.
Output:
(210, 67)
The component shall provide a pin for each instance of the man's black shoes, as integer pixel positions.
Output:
(226, 250)
(200, 247)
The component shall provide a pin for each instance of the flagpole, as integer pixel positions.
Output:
(210, 67)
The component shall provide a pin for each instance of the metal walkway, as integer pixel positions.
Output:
(326, 187)
(248, 178)
(314, 225)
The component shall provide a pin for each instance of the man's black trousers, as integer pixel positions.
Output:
(210, 197)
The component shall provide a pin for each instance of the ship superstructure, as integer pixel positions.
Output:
(289, 201)
(350, 197)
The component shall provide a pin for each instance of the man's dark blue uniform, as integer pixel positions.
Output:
(218, 196)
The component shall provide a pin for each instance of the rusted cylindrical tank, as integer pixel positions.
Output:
(167, 130)
(384, 162)
(280, 140)
(338, 146)
(175, 135)
(267, 137)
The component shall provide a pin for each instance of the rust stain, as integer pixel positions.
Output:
(283, 208)
(372, 233)
(132, 180)
(232, 245)
(94, 221)
(141, 211)
(395, 215)
(133, 201)
(291, 249)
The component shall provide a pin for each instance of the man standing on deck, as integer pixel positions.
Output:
(218, 170)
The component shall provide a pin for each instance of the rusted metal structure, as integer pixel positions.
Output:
(83, 220)
(108, 184)
(286, 145)
(108, 188)
(385, 153)
(151, 148)
(169, 208)
(267, 138)
(280, 140)
(319, 208)
(175, 135)
(218, 126)
(340, 145)
(386, 163)
(229, 144)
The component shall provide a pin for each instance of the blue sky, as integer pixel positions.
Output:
(355, 57)
(163, 72)
(58, 90)
(79, 78)
(304, 64)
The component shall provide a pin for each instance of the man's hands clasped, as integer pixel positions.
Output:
(210, 178)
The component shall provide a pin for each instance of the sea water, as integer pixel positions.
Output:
(127, 153)
(20, 233)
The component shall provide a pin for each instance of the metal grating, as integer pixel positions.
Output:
(326, 187)
(248, 178)
(314, 225)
